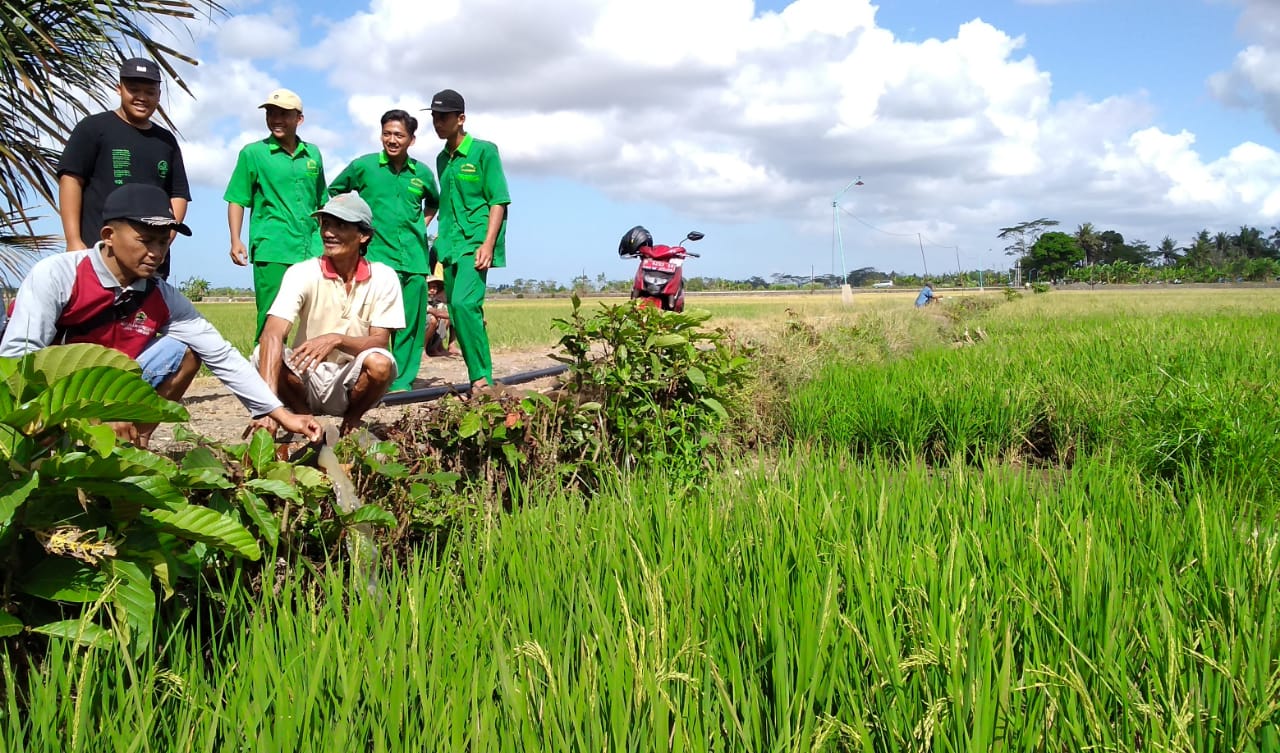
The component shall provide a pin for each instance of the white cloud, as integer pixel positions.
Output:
(725, 114)
(1254, 78)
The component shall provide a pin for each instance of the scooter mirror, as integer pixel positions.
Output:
(694, 235)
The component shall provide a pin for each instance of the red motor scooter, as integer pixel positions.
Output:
(660, 278)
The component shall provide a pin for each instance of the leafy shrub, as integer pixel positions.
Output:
(661, 380)
(645, 387)
(87, 520)
(1040, 287)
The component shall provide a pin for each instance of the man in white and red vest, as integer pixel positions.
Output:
(109, 295)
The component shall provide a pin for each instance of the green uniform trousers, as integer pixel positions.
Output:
(266, 285)
(407, 344)
(464, 289)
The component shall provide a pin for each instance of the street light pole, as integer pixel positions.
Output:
(846, 292)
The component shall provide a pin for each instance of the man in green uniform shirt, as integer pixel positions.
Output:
(281, 180)
(402, 193)
(472, 239)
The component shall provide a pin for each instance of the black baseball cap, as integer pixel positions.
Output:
(143, 203)
(447, 101)
(140, 68)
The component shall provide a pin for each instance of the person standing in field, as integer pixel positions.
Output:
(280, 179)
(472, 228)
(115, 148)
(402, 194)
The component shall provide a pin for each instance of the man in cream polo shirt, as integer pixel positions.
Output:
(345, 309)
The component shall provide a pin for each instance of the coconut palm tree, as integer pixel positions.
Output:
(1089, 242)
(59, 59)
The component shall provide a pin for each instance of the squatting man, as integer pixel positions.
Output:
(344, 308)
(110, 295)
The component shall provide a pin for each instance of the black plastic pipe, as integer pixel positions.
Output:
(408, 397)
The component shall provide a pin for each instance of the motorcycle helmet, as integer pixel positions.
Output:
(634, 239)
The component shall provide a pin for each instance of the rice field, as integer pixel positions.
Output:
(527, 323)
(1062, 537)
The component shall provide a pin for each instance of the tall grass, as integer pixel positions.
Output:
(812, 604)
(1171, 393)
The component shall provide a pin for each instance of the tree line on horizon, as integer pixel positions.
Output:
(1045, 254)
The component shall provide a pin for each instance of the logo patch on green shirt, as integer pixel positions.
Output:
(312, 168)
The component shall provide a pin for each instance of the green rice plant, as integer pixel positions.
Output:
(809, 602)
(1170, 392)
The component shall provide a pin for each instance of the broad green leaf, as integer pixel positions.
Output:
(58, 361)
(9, 625)
(200, 457)
(310, 478)
(590, 406)
(298, 476)
(134, 601)
(81, 631)
(133, 492)
(392, 470)
(140, 458)
(371, 514)
(14, 493)
(97, 437)
(513, 456)
(697, 376)
(204, 478)
(665, 341)
(262, 450)
(63, 579)
(715, 405)
(275, 488)
(469, 426)
(158, 562)
(22, 415)
(258, 511)
(207, 526)
(107, 394)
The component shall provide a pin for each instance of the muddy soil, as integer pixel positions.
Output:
(217, 414)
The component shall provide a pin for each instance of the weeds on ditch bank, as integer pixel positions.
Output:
(645, 389)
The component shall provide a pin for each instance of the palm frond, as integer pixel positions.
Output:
(19, 251)
(53, 53)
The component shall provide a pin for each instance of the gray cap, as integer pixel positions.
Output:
(348, 207)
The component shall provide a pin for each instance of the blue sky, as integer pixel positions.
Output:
(743, 120)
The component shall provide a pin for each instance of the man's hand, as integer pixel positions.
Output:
(307, 426)
(313, 352)
(128, 432)
(266, 422)
(239, 254)
(484, 256)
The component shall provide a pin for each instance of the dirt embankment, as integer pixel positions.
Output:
(217, 414)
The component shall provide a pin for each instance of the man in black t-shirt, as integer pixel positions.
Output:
(108, 150)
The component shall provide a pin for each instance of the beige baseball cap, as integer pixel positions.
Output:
(285, 99)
